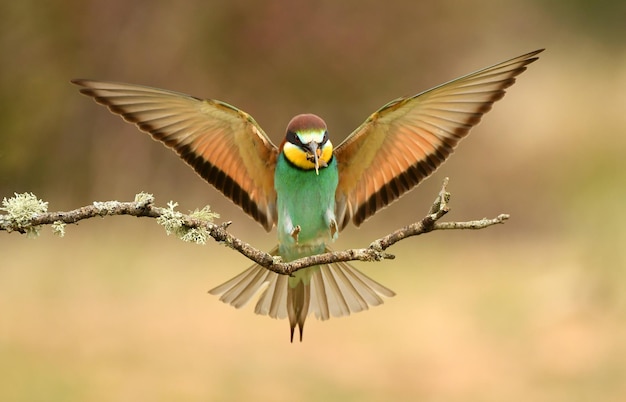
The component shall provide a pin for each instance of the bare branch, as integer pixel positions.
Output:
(198, 225)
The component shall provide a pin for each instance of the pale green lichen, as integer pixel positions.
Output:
(205, 214)
(144, 198)
(171, 219)
(21, 209)
(106, 207)
(58, 228)
(174, 223)
(195, 235)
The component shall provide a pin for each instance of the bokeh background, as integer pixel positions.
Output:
(531, 310)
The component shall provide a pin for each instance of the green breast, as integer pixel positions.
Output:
(308, 200)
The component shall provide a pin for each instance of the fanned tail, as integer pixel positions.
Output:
(326, 290)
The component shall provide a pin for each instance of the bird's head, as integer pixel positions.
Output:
(306, 144)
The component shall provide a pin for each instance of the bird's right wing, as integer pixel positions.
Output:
(223, 144)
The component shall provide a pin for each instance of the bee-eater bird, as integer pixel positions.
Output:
(306, 187)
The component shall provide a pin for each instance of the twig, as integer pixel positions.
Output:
(198, 225)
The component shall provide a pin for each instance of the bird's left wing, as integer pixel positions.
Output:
(223, 144)
(406, 140)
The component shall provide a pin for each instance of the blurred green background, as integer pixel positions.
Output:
(531, 310)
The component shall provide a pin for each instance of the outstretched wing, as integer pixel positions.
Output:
(222, 143)
(408, 138)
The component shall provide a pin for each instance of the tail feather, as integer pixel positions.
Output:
(335, 293)
(332, 290)
(236, 291)
(273, 301)
(298, 301)
(319, 296)
(240, 289)
(366, 287)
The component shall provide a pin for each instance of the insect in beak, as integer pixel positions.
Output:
(314, 156)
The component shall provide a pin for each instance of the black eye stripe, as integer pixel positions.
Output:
(325, 139)
(293, 138)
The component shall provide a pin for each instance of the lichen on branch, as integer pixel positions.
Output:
(25, 213)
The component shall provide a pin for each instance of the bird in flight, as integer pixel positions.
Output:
(306, 187)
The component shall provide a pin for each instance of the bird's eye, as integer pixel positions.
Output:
(293, 138)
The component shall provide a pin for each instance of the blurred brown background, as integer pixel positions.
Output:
(531, 310)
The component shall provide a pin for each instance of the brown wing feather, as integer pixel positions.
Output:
(223, 144)
(407, 139)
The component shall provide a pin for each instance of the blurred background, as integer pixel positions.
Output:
(531, 310)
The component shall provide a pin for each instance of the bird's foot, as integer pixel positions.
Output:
(295, 232)
(333, 229)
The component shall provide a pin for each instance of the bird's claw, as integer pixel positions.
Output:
(295, 232)
(333, 229)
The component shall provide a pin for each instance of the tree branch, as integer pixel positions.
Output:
(26, 214)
